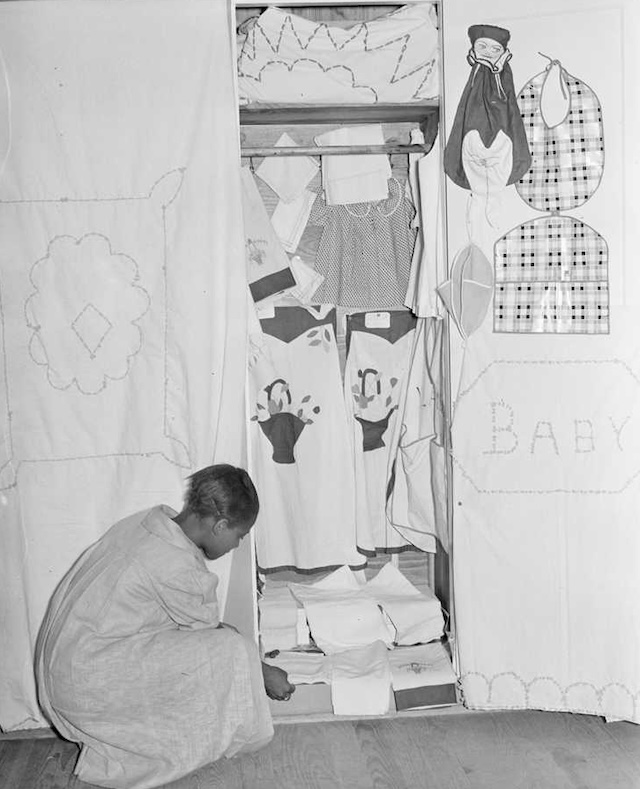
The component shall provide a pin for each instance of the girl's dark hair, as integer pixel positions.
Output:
(224, 491)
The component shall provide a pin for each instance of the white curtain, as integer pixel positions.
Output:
(546, 432)
(122, 284)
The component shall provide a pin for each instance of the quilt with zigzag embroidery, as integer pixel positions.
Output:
(284, 58)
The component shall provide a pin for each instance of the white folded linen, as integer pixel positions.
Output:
(361, 680)
(288, 176)
(417, 616)
(355, 179)
(340, 614)
(308, 280)
(419, 666)
(303, 668)
(290, 219)
(278, 620)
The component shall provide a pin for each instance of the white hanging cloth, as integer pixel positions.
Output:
(378, 356)
(120, 219)
(428, 265)
(300, 452)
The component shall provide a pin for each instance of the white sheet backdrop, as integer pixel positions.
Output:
(122, 285)
(546, 434)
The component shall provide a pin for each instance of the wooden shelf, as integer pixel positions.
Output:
(424, 114)
(344, 114)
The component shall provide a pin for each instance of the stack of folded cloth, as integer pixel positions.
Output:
(365, 630)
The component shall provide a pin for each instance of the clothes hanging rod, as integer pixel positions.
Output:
(333, 150)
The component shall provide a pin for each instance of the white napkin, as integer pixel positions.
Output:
(416, 667)
(290, 219)
(355, 179)
(340, 614)
(308, 280)
(361, 681)
(416, 616)
(288, 176)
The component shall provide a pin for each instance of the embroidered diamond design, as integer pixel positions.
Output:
(91, 328)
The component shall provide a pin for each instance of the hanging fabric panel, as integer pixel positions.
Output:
(122, 286)
(300, 450)
(546, 429)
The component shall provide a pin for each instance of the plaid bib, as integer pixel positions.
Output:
(568, 158)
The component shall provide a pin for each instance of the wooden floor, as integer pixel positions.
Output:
(504, 750)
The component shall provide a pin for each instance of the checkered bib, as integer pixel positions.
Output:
(568, 158)
(551, 276)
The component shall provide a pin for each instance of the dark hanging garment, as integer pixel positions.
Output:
(488, 106)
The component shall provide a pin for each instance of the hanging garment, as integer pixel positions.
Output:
(568, 158)
(354, 179)
(132, 665)
(467, 293)
(378, 355)
(416, 498)
(496, 152)
(428, 264)
(300, 452)
(552, 276)
(365, 250)
(267, 264)
(285, 58)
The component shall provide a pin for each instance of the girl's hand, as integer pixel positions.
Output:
(276, 683)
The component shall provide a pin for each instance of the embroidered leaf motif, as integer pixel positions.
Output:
(327, 334)
(315, 342)
(312, 333)
(388, 400)
(306, 399)
(254, 418)
(309, 421)
(299, 414)
(260, 407)
(316, 410)
(393, 381)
